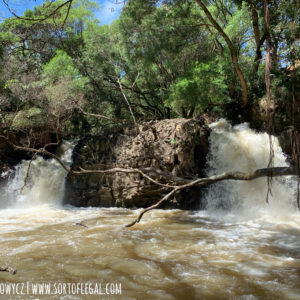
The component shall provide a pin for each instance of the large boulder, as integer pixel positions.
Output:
(177, 145)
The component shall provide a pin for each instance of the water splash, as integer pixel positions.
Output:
(239, 148)
(44, 184)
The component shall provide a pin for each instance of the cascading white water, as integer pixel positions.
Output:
(238, 148)
(232, 148)
(44, 183)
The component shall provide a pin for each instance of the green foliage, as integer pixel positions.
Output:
(167, 56)
(203, 89)
(173, 142)
(239, 24)
(28, 118)
(62, 67)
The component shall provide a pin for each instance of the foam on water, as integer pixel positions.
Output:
(239, 148)
(44, 184)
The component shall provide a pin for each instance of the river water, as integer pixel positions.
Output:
(238, 248)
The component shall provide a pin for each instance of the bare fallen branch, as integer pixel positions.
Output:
(123, 121)
(141, 171)
(164, 199)
(176, 184)
(37, 151)
(266, 172)
(81, 224)
(27, 172)
(126, 100)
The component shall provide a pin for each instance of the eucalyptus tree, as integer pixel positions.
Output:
(170, 48)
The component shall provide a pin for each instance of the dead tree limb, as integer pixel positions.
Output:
(156, 205)
(28, 170)
(81, 224)
(103, 117)
(181, 182)
(124, 170)
(142, 171)
(266, 172)
(175, 183)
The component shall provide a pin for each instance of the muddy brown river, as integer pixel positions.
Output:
(239, 247)
(170, 255)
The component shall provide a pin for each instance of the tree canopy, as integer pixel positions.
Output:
(168, 58)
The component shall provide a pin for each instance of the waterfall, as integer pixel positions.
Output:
(239, 148)
(44, 183)
(232, 148)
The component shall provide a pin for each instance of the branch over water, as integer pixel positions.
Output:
(174, 183)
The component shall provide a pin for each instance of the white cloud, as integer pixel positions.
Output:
(108, 12)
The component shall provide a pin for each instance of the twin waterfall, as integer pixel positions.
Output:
(235, 148)
(239, 247)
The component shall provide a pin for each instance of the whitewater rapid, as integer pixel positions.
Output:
(239, 148)
(37, 182)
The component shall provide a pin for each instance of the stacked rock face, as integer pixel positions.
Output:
(285, 117)
(178, 146)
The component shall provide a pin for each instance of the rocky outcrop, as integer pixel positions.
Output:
(5, 161)
(281, 116)
(285, 117)
(178, 146)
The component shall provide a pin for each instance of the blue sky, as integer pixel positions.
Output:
(108, 12)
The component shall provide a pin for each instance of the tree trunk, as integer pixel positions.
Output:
(258, 40)
(268, 52)
(234, 56)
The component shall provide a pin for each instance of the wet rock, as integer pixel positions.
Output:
(177, 145)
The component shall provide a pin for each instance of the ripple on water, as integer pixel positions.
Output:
(196, 257)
